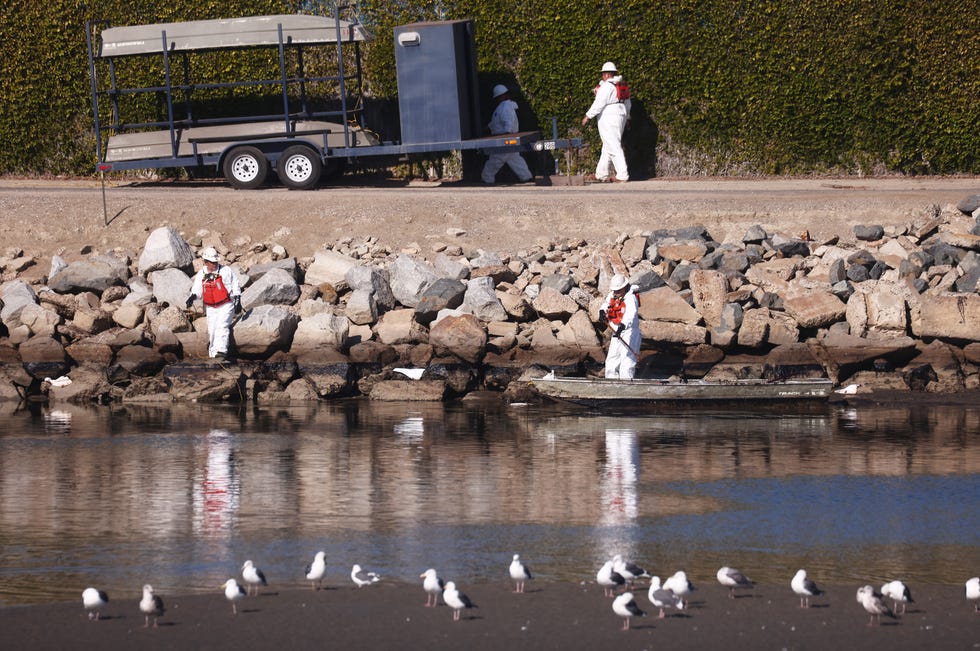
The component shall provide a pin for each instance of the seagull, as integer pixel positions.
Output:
(362, 578)
(973, 592)
(627, 570)
(94, 599)
(433, 587)
(609, 579)
(805, 588)
(316, 570)
(253, 577)
(898, 592)
(519, 572)
(625, 606)
(456, 600)
(678, 583)
(151, 604)
(663, 597)
(873, 604)
(233, 592)
(732, 579)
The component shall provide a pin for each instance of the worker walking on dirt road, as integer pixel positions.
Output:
(504, 120)
(620, 313)
(612, 107)
(217, 286)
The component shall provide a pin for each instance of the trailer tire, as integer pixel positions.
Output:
(299, 168)
(245, 168)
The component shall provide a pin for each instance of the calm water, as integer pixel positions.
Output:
(180, 497)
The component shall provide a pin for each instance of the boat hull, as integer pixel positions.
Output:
(602, 390)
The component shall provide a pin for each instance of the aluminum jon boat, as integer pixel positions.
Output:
(601, 390)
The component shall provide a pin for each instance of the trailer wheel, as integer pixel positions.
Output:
(245, 168)
(299, 168)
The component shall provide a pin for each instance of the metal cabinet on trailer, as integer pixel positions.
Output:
(438, 93)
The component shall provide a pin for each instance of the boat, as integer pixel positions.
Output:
(591, 391)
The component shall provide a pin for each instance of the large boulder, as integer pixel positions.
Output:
(94, 275)
(204, 382)
(43, 357)
(410, 278)
(329, 267)
(319, 331)
(462, 336)
(264, 330)
(710, 292)
(140, 360)
(170, 286)
(551, 303)
(445, 293)
(481, 300)
(374, 281)
(165, 249)
(400, 327)
(361, 307)
(275, 287)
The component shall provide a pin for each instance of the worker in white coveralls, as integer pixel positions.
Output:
(620, 312)
(504, 120)
(612, 107)
(217, 286)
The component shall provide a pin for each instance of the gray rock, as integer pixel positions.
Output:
(57, 264)
(857, 273)
(410, 278)
(481, 300)
(969, 204)
(43, 357)
(275, 287)
(562, 283)
(755, 235)
(361, 307)
(450, 268)
(868, 233)
(842, 290)
(165, 249)
(837, 271)
(264, 330)
(551, 304)
(16, 296)
(94, 275)
(329, 267)
(375, 281)
(171, 286)
(790, 247)
(319, 331)
(140, 360)
(286, 264)
(445, 293)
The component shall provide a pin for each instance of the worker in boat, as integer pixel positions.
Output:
(217, 286)
(504, 120)
(620, 313)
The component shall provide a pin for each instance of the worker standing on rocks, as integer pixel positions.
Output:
(620, 312)
(217, 286)
(612, 106)
(504, 120)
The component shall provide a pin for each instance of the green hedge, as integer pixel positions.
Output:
(719, 86)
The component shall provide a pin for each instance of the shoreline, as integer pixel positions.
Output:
(548, 615)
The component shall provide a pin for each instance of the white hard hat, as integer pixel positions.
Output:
(618, 282)
(210, 254)
(609, 66)
(499, 90)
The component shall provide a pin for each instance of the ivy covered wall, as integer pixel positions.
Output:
(719, 86)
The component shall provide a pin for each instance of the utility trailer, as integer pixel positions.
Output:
(438, 98)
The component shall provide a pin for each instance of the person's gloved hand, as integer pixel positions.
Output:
(237, 301)
(189, 302)
(621, 329)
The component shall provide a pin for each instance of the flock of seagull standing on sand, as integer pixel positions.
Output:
(614, 573)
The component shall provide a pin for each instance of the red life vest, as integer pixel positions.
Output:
(214, 291)
(615, 310)
(622, 90)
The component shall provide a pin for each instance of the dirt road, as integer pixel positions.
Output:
(47, 217)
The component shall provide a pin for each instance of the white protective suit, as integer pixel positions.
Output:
(620, 360)
(504, 120)
(612, 122)
(220, 316)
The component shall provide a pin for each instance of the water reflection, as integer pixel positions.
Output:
(180, 497)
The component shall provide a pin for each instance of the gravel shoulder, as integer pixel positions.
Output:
(62, 217)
